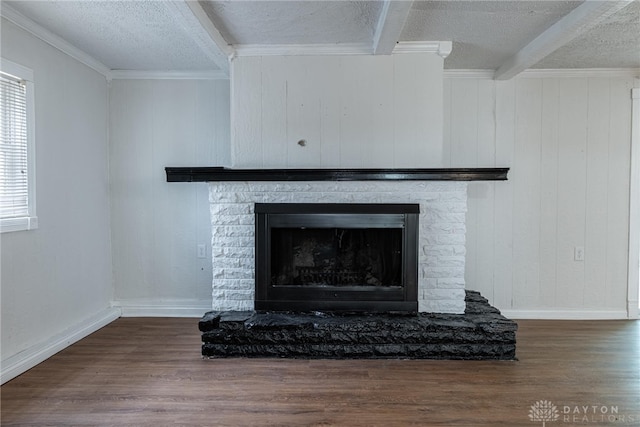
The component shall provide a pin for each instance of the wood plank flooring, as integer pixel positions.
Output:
(149, 372)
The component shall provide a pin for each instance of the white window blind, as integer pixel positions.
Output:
(14, 185)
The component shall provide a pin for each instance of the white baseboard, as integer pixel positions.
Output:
(565, 314)
(27, 359)
(163, 308)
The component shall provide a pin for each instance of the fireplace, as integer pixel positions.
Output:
(441, 239)
(336, 257)
(344, 240)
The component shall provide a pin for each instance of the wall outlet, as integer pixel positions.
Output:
(578, 253)
(202, 251)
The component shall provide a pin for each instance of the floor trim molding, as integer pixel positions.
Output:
(38, 353)
(163, 308)
(565, 314)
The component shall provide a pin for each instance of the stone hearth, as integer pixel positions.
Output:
(481, 333)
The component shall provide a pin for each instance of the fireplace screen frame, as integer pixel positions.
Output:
(369, 298)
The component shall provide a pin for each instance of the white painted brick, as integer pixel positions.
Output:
(441, 236)
(450, 283)
(223, 262)
(440, 228)
(444, 294)
(444, 239)
(441, 272)
(427, 283)
(448, 196)
(432, 216)
(442, 306)
(247, 263)
(241, 284)
(233, 242)
(448, 207)
(232, 294)
(445, 261)
(231, 209)
(459, 250)
(223, 305)
(437, 250)
(232, 273)
(234, 220)
(246, 252)
(232, 231)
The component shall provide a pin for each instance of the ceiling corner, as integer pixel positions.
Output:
(192, 14)
(575, 23)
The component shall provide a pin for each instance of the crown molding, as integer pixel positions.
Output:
(302, 49)
(168, 75)
(580, 72)
(546, 73)
(47, 36)
(442, 48)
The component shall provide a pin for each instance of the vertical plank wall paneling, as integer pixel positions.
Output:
(572, 189)
(156, 226)
(549, 191)
(352, 111)
(274, 124)
(597, 163)
(618, 195)
(525, 173)
(502, 285)
(567, 141)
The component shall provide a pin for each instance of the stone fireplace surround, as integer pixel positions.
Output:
(440, 192)
(453, 323)
(441, 247)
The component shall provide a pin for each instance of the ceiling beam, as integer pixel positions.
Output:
(577, 22)
(195, 19)
(390, 24)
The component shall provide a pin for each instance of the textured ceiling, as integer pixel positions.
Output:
(170, 35)
(615, 42)
(484, 33)
(290, 22)
(124, 35)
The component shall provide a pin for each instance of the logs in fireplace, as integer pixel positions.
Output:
(336, 257)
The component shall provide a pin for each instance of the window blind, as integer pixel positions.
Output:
(14, 191)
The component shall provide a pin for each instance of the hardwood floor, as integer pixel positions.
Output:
(149, 372)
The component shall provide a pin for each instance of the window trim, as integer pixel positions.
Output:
(30, 221)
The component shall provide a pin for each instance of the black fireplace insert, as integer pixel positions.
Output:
(336, 257)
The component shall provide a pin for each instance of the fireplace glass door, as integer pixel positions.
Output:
(342, 257)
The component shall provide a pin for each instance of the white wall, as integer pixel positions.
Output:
(56, 277)
(352, 111)
(156, 226)
(567, 141)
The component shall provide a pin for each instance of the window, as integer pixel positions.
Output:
(17, 150)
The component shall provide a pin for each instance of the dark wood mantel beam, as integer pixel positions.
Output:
(206, 174)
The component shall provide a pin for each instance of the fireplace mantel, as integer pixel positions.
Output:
(209, 174)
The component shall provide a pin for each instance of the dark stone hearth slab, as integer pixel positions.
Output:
(482, 333)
